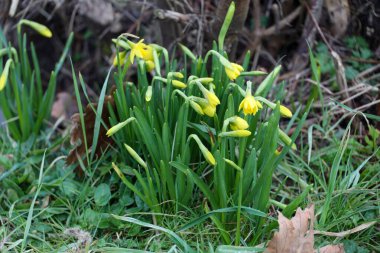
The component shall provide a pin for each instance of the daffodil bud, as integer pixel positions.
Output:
(176, 74)
(118, 171)
(234, 71)
(285, 112)
(236, 133)
(135, 156)
(233, 164)
(148, 94)
(119, 59)
(237, 123)
(205, 80)
(286, 139)
(196, 107)
(41, 29)
(205, 152)
(149, 65)
(4, 75)
(119, 126)
(179, 84)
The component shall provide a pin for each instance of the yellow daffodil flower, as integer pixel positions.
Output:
(249, 104)
(238, 123)
(233, 72)
(141, 51)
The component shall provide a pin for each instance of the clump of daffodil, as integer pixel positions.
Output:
(233, 71)
(205, 152)
(4, 75)
(249, 104)
(41, 29)
(119, 126)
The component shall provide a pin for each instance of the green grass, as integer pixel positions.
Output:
(62, 201)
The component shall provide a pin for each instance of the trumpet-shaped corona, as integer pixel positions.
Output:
(250, 105)
(141, 50)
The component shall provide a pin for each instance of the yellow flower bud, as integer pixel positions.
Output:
(177, 75)
(179, 84)
(118, 171)
(205, 152)
(236, 133)
(41, 29)
(196, 107)
(119, 126)
(149, 65)
(119, 59)
(208, 156)
(135, 156)
(238, 123)
(148, 94)
(285, 112)
(233, 72)
(4, 75)
(286, 139)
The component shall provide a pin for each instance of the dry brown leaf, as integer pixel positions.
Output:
(64, 106)
(331, 249)
(297, 235)
(89, 118)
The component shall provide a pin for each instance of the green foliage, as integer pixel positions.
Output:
(25, 101)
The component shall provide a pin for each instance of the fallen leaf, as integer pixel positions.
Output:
(64, 106)
(297, 235)
(332, 249)
(78, 140)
